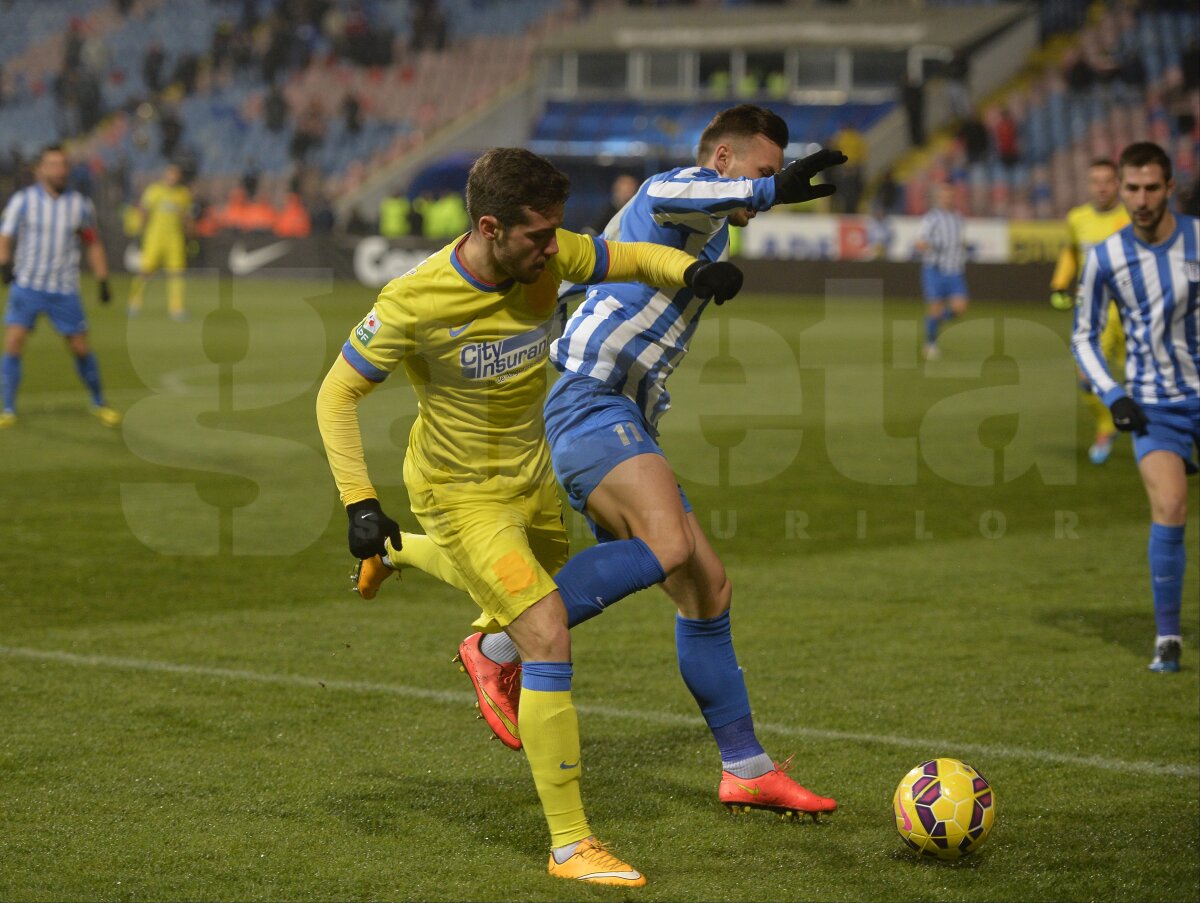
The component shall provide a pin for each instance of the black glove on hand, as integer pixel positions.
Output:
(369, 526)
(1128, 416)
(6, 272)
(105, 292)
(792, 183)
(719, 281)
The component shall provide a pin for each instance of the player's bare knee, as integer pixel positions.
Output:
(673, 546)
(540, 632)
(1170, 510)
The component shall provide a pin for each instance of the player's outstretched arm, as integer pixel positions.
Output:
(658, 265)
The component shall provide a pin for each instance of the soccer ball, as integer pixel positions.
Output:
(944, 809)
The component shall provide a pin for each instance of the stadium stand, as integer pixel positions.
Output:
(1121, 78)
(323, 99)
(289, 94)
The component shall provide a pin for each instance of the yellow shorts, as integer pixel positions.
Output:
(505, 548)
(170, 254)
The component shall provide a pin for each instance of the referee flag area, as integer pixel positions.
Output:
(924, 564)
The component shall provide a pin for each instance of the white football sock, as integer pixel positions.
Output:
(499, 648)
(563, 853)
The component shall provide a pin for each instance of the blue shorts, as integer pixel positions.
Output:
(937, 286)
(65, 310)
(593, 428)
(1174, 428)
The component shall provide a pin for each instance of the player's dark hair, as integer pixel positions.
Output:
(50, 149)
(743, 121)
(1103, 161)
(1146, 153)
(507, 180)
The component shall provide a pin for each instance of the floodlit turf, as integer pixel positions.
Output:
(193, 707)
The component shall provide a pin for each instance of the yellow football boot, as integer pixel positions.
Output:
(594, 863)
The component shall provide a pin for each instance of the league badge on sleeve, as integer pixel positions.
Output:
(365, 331)
(1191, 270)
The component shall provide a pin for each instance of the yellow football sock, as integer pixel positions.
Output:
(136, 290)
(550, 735)
(419, 551)
(175, 295)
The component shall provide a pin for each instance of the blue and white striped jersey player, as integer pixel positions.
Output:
(1152, 271)
(48, 222)
(943, 248)
(602, 418)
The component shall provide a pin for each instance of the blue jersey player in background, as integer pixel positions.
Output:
(943, 248)
(48, 222)
(602, 419)
(1151, 269)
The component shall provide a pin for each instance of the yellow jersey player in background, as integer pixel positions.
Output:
(472, 326)
(166, 208)
(1088, 225)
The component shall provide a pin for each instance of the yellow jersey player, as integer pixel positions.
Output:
(166, 209)
(472, 327)
(1088, 225)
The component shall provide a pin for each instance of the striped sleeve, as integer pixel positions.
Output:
(697, 190)
(12, 214)
(1091, 314)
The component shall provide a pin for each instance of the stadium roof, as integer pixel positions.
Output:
(887, 26)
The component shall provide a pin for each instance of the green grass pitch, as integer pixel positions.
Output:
(194, 707)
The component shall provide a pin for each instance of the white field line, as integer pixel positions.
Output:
(931, 746)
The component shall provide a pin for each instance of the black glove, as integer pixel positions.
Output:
(105, 292)
(792, 183)
(1128, 416)
(369, 526)
(719, 281)
(6, 272)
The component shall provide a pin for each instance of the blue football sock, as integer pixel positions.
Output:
(710, 670)
(89, 372)
(547, 677)
(1168, 559)
(931, 329)
(11, 371)
(601, 575)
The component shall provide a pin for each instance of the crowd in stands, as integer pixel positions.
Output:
(1132, 73)
(287, 105)
(302, 99)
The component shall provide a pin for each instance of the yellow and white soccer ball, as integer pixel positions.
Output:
(944, 809)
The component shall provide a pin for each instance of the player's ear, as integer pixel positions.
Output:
(488, 227)
(722, 157)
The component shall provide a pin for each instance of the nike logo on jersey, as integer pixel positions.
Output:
(243, 261)
(455, 333)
